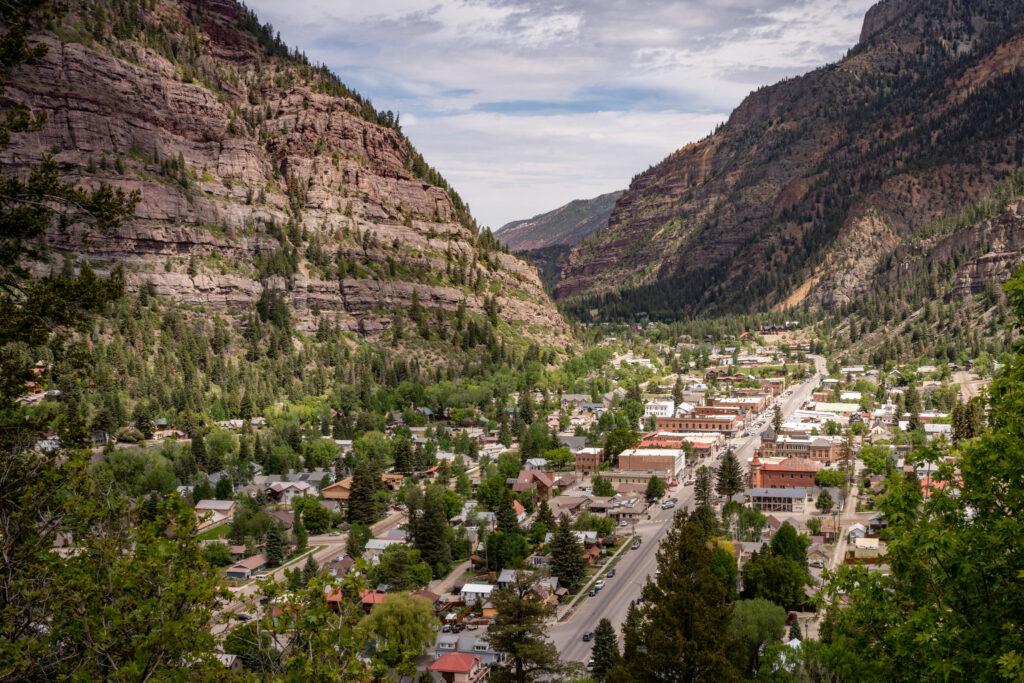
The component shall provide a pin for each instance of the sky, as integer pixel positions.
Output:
(524, 105)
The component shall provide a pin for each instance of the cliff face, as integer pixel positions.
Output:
(255, 170)
(814, 181)
(567, 225)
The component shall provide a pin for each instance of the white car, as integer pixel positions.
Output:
(600, 584)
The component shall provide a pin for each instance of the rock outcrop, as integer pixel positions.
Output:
(255, 169)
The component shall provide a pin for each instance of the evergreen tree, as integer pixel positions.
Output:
(777, 419)
(506, 515)
(310, 570)
(143, 419)
(300, 533)
(566, 555)
(274, 547)
(518, 633)
(703, 487)
(199, 451)
(730, 477)
(606, 649)
(362, 504)
(544, 514)
(433, 533)
(405, 459)
(682, 630)
(224, 490)
(677, 393)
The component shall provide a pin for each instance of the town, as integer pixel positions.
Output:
(446, 505)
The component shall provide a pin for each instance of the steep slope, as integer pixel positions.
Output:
(545, 239)
(256, 170)
(814, 180)
(566, 225)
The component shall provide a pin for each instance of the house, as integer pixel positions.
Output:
(472, 592)
(534, 480)
(466, 644)
(231, 662)
(628, 510)
(339, 490)
(535, 464)
(778, 500)
(659, 409)
(287, 491)
(244, 569)
(339, 567)
(376, 546)
(210, 513)
(371, 599)
(520, 511)
(285, 518)
(857, 530)
(592, 554)
(818, 552)
(567, 505)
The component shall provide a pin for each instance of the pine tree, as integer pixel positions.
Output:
(299, 530)
(199, 451)
(274, 548)
(506, 515)
(682, 630)
(310, 570)
(404, 456)
(544, 514)
(224, 490)
(704, 487)
(777, 420)
(362, 506)
(144, 419)
(606, 649)
(566, 555)
(677, 393)
(730, 477)
(433, 533)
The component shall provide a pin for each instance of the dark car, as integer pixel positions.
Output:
(610, 574)
(593, 592)
(587, 636)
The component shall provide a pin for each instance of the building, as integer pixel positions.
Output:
(701, 444)
(743, 404)
(467, 643)
(778, 500)
(456, 667)
(780, 473)
(244, 569)
(588, 460)
(723, 424)
(668, 459)
(534, 480)
(825, 449)
(210, 513)
(620, 478)
(287, 491)
(472, 592)
(659, 409)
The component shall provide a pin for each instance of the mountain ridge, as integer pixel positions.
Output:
(566, 225)
(920, 118)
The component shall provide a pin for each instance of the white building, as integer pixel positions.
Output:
(659, 409)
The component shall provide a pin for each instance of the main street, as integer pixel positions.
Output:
(613, 600)
(635, 566)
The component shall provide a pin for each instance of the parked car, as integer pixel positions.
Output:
(242, 616)
(587, 636)
(817, 564)
(610, 574)
(636, 544)
(600, 584)
(593, 592)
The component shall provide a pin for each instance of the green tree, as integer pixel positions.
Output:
(399, 629)
(703, 487)
(656, 488)
(825, 502)
(404, 456)
(544, 515)
(829, 478)
(730, 476)
(300, 533)
(566, 555)
(518, 633)
(358, 536)
(402, 568)
(432, 533)
(605, 651)
(506, 515)
(681, 632)
(274, 547)
(363, 506)
(755, 625)
(602, 487)
(877, 459)
(143, 419)
(224, 490)
(777, 419)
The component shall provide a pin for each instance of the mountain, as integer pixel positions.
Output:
(567, 225)
(545, 239)
(814, 184)
(256, 171)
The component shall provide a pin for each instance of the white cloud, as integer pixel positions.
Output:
(526, 104)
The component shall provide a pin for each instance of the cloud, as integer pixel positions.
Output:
(527, 104)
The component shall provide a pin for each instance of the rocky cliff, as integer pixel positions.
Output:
(256, 170)
(813, 182)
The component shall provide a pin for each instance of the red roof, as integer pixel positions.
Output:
(793, 465)
(455, 663)
(518, 507)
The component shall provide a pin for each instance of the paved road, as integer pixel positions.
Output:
(613, 600)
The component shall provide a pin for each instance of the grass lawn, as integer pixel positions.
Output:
(215, 533)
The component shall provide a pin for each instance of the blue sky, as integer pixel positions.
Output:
(524, 105)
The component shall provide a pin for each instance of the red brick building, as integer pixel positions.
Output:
(783, 473)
